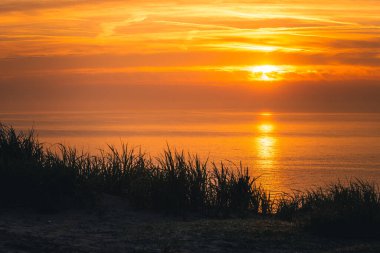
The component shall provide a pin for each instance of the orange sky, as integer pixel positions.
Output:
(241, 50)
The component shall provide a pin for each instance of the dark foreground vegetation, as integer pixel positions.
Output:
(113, 226)
(39, 179)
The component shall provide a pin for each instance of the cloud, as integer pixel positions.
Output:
(31, 5)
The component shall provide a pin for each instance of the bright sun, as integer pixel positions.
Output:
(264, 72)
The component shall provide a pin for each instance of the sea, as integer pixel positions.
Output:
(286, 152)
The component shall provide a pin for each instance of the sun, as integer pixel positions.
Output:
(264, 72)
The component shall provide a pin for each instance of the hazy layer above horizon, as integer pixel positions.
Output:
(301, 97)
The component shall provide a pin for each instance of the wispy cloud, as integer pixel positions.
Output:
(162, 36)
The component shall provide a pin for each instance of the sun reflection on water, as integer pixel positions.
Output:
(266, 128)
(265, 144)
(266, 152)
(265, 147)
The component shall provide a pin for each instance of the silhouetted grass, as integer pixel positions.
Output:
(31, 176)
(347, 210)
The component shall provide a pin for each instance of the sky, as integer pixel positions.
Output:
(232, 55)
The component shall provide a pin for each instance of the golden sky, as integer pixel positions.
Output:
(196, 43)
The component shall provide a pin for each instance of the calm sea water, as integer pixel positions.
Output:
(288, 151)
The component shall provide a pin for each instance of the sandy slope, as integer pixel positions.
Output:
(114, 227)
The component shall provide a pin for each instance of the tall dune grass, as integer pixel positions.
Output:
(349, 210)
(174, 182)
(34, 177)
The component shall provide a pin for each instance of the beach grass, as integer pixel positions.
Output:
(176, 183)
(350, 210)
